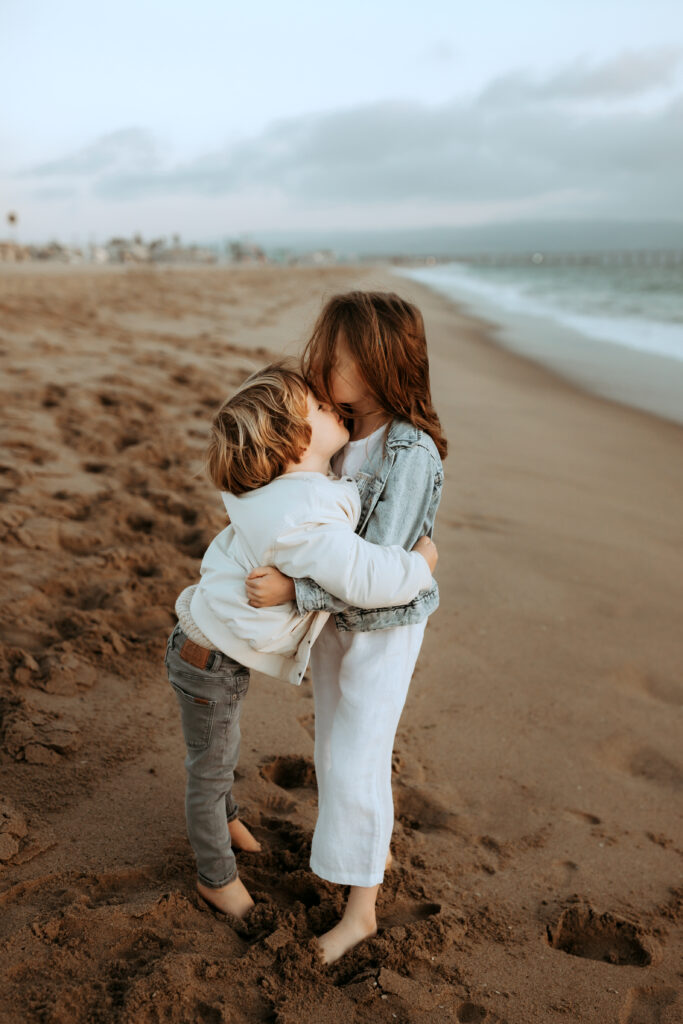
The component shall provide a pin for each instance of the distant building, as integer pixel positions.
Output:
(245, 252)
(127, 250)
(116, 250)
(12, 252)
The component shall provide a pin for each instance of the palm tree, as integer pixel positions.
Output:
(13, 220)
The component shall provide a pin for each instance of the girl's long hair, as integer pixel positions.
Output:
(386, 337)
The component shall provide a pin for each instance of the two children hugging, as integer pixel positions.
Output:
(331, 480)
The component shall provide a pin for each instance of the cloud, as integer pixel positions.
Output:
(488, 148)
(629, 74)
(130, 146)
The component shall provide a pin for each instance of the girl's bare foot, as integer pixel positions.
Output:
(232, 898)
(241, 838)
(344, 936)
(389, 861)
(358, 923)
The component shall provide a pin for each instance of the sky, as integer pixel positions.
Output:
(214, 119)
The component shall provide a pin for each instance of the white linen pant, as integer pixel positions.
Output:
(360, 684)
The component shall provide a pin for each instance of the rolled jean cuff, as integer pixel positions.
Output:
(217, 885)
(232, 811)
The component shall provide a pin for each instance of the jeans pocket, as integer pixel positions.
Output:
(197, 715)
(242, 685)
(169, 644)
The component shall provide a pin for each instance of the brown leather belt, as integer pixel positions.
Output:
(195, 655)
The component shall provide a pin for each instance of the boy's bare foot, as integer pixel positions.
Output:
(344, 936)
(241, 838)
(232, 898)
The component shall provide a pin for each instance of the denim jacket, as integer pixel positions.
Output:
(399, 499)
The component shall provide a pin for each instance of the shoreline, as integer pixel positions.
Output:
(649, 381)
(537, 763)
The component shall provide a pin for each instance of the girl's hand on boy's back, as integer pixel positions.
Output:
(267, 586)
(427, 548)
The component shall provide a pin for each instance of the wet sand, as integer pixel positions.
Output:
(538, 843)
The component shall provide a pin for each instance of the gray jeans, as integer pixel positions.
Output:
(210, 701)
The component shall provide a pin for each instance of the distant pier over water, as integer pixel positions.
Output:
(601, 258)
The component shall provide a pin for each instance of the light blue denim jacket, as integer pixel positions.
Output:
(399, 499)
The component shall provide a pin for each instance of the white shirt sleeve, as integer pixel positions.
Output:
(363, 575)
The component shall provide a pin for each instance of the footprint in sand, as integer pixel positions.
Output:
(581, 931)
(417, 809)
(128, 439)
(140, 523)
(193, 543)
(642, 762)
(646, 763)
(471, 1013)
(53, 395)
(167, 501)
(281, 871)
(654, 685)
(583, 817)
(564, 872)
(650, 1005)
(406, 912)
(96, 467)
(278, 803)
(290, 772)
(118, 885)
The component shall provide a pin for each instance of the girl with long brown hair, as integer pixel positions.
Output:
(367, 357)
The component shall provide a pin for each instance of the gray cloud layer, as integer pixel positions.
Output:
(626, 75)
(518, 139)
(126, 148)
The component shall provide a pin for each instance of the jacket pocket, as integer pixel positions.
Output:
(363, 483)
(368, 487)
(197, 714)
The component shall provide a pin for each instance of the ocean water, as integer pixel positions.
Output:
(617, 329)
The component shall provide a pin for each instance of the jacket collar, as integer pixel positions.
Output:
(401, 431)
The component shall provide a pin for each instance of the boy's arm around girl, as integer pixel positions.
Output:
(402, 510)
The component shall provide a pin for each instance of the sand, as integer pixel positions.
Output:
(538, 769)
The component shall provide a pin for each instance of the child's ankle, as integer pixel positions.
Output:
(367, 919)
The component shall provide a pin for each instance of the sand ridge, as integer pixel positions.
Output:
(537, 849)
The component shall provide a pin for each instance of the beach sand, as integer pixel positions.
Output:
(538, 770)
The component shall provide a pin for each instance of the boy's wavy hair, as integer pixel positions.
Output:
(386, 337)
(259, 430)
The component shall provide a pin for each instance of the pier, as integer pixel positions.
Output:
(606, 258)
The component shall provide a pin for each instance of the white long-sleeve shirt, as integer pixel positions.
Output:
(303, 523)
